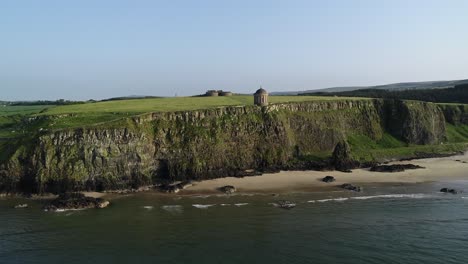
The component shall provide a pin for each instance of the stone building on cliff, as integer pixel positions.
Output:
(261, 97)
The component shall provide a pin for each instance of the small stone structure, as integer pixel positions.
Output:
(211, 93)
(225, 93)
(261, 97)
(218, 93)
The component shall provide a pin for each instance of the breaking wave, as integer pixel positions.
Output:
(382, 196)
(172, 208)
(203, 206)
(412, 195)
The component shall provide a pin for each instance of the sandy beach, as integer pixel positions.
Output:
(435, 170)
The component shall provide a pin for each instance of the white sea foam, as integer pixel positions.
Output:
(148, 207)
(411, 195)
(203, 206)
(340, 199)
(172, 208)
(241, 204)
(225, 204)
(60, 210)
(201, 196)
(382, 196)
(285, 206)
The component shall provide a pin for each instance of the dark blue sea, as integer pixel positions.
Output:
(384, 224)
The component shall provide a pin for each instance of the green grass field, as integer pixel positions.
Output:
(138, 106)
(8, 110)
(12, 118)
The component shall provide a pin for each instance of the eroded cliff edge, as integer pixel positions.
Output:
(203, 144)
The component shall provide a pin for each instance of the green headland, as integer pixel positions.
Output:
(130, 143)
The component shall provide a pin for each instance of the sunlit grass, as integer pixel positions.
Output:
(137, 106)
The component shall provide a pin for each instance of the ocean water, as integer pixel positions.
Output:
(384, 224)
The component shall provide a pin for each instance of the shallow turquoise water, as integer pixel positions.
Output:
(418, 225)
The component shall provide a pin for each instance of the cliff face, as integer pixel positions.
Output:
(209, 143)
(414, 122)
(455, 114)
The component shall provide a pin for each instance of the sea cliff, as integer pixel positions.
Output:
(203, 144)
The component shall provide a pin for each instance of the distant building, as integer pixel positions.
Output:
(225, 93)
(218, 93)
(261, 97)
(211, 93)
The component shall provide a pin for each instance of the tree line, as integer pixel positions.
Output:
(457, 94)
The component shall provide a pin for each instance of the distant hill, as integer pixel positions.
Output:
(457, 94)
(129, 97)
(393, 86)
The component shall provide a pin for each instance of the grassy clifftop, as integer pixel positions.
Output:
(19, 120)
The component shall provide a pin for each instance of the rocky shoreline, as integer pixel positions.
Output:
(423, 170)
(75, 201)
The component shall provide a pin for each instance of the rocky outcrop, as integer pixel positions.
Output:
(328, 179)
(75, 201)
(350, 187)
(414, 122)
(455, 114)
(162, 148)
(449, 190)
(228, 189)
(342, 159)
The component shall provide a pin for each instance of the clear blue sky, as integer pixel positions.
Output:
(99, 49)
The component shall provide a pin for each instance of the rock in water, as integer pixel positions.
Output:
(350, 187)
(449, 190)
(228, 189)
(103, 204)
(341, 157)
(284, 204)
(395, 167)
(328, 179)
(75, 201)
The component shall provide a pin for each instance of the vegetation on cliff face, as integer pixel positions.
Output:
(200, 144)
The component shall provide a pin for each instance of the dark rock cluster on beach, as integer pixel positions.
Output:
(176, 187)
(350, 187)
(328, 179)
(228, 189)
(74, 201)
(395, 167)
